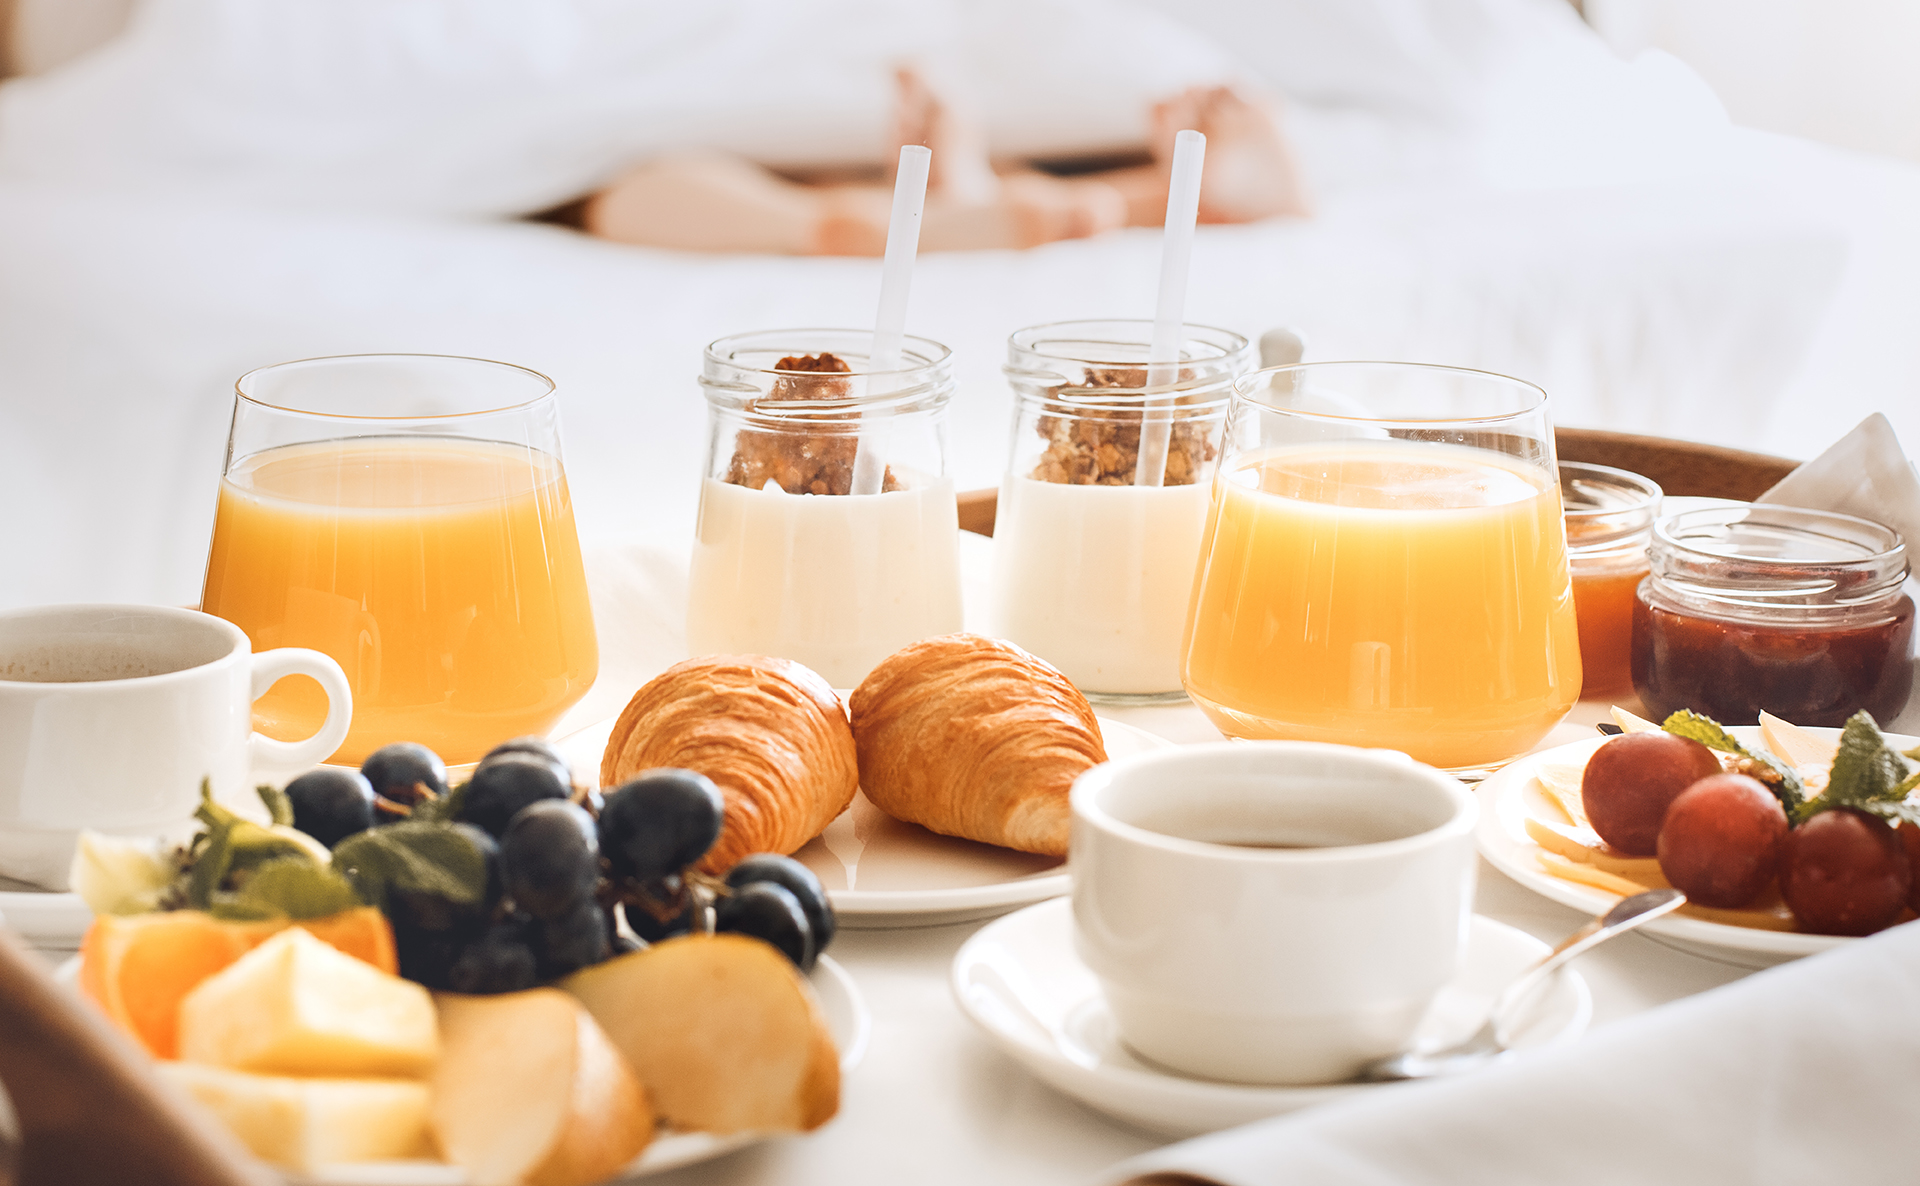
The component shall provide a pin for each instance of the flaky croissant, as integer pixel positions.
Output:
(969, 736)
(770, 733)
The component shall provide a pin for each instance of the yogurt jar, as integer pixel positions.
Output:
(828, 532)
(1095, 548)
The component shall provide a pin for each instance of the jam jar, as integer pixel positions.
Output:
(1757, 607)
(1609, 516)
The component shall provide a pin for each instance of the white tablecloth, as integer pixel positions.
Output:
(933, 1102)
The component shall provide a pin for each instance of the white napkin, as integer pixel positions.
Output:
(1867, 475)
(1809, 1072)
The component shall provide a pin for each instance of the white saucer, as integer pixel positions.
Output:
(1019, 980)
(881, 873)
(45, 919)
(840, 1002)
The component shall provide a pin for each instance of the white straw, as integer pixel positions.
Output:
(896, 279)
(1176, 257)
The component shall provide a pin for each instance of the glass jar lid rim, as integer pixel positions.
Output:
(1883, 543)
(928, 352)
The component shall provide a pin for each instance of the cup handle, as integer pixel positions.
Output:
(269, 668)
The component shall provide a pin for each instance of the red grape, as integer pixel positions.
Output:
(1631, 779)
(1720, 842)
(1845, 872)
(1910, 838)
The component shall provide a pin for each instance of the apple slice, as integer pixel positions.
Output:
(529, 1090)
(303, 1124)
(724, 1033)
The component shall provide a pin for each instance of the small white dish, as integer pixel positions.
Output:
(881, 873)
(45, 919)
(1020, 981)
(1510, 795)
(847, 1018)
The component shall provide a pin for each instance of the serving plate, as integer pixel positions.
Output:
(880, 872)
(847, 1019)
(1020, 981)
(1513, 793)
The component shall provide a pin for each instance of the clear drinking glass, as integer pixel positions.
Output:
(788, 558)
(1384, 564)
(409, 516)
(1094, 559)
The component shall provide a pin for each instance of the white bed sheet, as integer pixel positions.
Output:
(123, 322)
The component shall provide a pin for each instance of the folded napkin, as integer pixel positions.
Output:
(1867, 475)
(1809, 1072)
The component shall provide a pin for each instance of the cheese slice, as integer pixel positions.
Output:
(304, 1124)
(297, 1006)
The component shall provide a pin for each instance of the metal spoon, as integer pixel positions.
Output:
(1489, 1041)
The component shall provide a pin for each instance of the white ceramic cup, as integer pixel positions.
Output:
(111, 715)
(1223, 956)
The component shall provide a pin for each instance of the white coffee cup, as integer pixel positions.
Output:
(111, 715)
(1223, 956)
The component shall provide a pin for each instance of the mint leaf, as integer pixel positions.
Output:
(1893, 811)
(1866, 768)
(279, 807)
(210, 813)
(428, 858)
(1784, 781)
(1705, 730)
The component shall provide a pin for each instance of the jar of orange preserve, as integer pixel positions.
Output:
(1610, 515)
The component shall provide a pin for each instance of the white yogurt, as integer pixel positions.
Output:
(837, 582)
(1095, 579)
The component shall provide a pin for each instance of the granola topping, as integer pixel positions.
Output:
(799, 462)
(1100, 446)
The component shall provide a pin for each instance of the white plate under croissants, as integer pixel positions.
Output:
(880, 872)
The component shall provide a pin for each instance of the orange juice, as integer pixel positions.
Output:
(1385, 593)
(443, 575)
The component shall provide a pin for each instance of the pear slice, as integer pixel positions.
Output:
(529, 1090)
(722, 1030)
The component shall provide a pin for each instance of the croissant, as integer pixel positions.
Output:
(770, 734)
(973, 737)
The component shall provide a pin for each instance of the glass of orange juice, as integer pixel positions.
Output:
(1384, 564)
(407, 515)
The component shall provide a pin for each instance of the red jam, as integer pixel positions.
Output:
(1732, 670)
(1798, 613)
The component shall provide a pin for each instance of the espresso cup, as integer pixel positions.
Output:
(112, 715)
(1270, 911)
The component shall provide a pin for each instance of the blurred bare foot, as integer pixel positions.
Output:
(1250, 172)
(960, 171)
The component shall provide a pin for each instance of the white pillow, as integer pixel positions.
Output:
(504, 106)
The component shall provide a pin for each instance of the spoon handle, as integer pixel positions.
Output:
(1628, 914)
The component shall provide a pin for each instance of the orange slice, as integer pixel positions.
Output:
(137, 968)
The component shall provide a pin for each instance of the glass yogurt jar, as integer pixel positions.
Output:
(1105, 499)
(828, 532)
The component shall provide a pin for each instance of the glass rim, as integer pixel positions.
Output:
(938, 355)
(1236, 343)
(240, 392)
(1243, 390)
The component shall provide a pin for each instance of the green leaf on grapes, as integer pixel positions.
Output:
(287, 887)
(1784, 781)
(441, 808)
(423, 857)
(279, 807)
